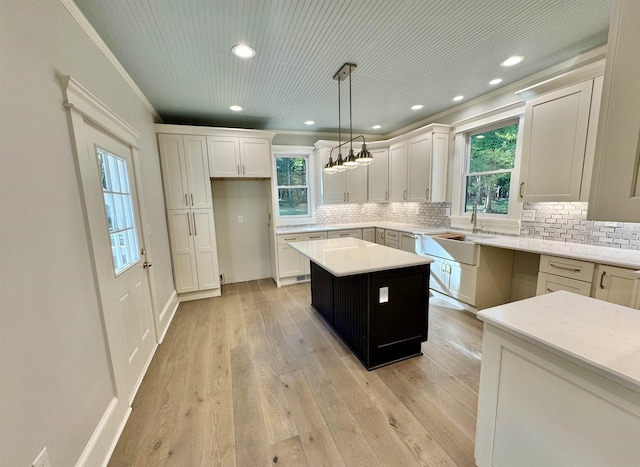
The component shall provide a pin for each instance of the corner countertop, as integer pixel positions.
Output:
(349, 256)
(599, 335)
(595, 254)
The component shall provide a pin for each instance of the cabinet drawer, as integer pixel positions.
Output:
(284, 239)
(355, 233)
(548, 283)
(571, 268)
(314, 236)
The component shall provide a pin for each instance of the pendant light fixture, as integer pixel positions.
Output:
(352, 161)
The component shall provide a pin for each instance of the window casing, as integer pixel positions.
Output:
(505, 209)
(293, 189)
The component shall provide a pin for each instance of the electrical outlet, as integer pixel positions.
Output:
(42, 460)
(447, 212)
(222, 278)
(240, 219)
(528, 215)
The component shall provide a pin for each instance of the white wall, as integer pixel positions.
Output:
(55, 381)
(243, 247)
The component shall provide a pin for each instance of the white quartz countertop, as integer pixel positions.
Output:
(596, 254)
(418, 229)
(593, 333)
(348, 256)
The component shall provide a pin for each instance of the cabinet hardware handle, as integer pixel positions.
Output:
(549, 290)
(427, 193)
(195, 230)
(315, 236)
(565, 268)
(191, 199)
(238, 169)
(386, 196)
(290, 239)
(186, 200)
(604, 273)
(521, 187)
(243, 172)
(189, 225)
(404, 194)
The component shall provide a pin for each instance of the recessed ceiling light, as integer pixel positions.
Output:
(243, 51)
(458, 98)
(493, 82)
(309, 122)
(235, 108)
(514, 60)
(417, 107)
(376, 127)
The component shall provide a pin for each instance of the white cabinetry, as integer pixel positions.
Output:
(292, 264)
(615, 189)
(349, 186)
(615, 285)
(559, 132)
(369, 234)
(232, 157)
(418, 166)
(392, 238)
(408, 242)
(564, 274)
(185, 171)
(187, 188)
(355, 233)
(378, 177)
(379, 236)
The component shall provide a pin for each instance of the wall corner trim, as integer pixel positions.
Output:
(106, 51)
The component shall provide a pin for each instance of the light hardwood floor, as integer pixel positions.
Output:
(256, 378)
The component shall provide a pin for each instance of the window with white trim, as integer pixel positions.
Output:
(293, 190)
(489, 166)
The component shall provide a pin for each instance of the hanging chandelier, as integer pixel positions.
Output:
(364, 157)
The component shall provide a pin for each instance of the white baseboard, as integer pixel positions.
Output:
(450, 302)
(170, 307)
(103, 441)
(199, 295)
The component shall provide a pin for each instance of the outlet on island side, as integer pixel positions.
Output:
(528, 215)
(42, 460)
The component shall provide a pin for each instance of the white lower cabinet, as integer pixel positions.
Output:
(355, 233)
(306, 264)
(292, 264)
(408, 242)
(392, 239)
(369, 234)
(454, 279)
(379, 236)
(615, 285)
(564, 274)
(548, 283)
(193, 248)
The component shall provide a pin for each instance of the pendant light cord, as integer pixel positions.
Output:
(339, 124)
(350, 115)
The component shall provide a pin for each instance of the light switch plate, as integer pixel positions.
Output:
(384, 295)
(528, 215)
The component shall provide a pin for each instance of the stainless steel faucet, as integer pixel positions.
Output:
(474, 218)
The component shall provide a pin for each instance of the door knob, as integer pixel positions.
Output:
(146, 265)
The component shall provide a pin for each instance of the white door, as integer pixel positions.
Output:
(108, 178)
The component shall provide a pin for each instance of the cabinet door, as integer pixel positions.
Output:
(398, 172)
(555, 135)
(615, 285)
(289, 262)
(356, 185)
(379, 176)
(369, 235)
(407, 242)
(615, 188)
(419, 174)
(439, 164)
(306, 264)
(206, 253)
(224, 156)
(463, 279)
(174, 172)
(333, 185)
(379, 236)
(439, 279)
(255, 157)
(182, 253)
(197, 168)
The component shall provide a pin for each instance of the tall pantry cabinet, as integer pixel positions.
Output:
(187, 188)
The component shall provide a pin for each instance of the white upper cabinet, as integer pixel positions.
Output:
(379, 176)
(398, 164)
(349, 186)
(418, 168)
(559, 139)
(232, 157)
(185, 171)
(615, 188)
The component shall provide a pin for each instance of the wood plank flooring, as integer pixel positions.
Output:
(256, 378)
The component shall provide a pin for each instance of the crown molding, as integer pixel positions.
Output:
(102, 46)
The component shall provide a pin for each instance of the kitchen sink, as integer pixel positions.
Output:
(461, 250)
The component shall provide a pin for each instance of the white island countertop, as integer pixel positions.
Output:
(599, 335)
(349, 256)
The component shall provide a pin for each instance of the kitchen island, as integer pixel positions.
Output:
(559, 384)
(376, 298)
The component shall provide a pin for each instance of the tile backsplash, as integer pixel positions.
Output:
(565, 222)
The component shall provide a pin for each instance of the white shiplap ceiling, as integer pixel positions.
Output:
(407, 51)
